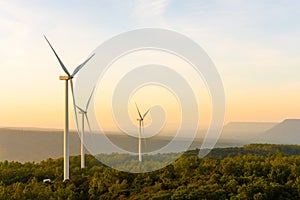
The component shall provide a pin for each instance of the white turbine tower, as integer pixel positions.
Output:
(83, 112)
(66, 128)
(141, 128)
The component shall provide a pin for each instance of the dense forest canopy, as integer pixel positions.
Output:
(255, 171)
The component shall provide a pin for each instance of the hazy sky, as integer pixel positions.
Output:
(254, 45)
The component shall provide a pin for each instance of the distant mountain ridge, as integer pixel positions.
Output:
(36, 144)
(246, 132)
(249, 126)
(32, 145)
(286, 132)
(33, 129)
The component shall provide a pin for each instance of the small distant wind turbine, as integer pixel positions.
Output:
(66, 128)
(141, 127)
(83, 112)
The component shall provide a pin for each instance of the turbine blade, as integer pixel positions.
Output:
(88, 103)
(59, 60)
(138, 110)
(88, 122)
(81, 65)
(146, 113)
(80, 108)
(74, 104)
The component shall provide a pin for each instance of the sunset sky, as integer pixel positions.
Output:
(254, 45)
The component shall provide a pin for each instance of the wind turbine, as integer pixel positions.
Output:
(141, 127)
(84, 114)
(68, 77)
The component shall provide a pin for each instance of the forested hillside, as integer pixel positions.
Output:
(254, 172)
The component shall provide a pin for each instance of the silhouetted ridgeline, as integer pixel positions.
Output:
(257, 172)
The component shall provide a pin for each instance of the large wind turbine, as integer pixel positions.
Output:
(66, 128)
(141, 127)
(83, 113)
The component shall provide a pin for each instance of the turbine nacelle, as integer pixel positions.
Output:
(65, 78)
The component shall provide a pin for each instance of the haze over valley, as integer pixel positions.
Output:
(36, 144)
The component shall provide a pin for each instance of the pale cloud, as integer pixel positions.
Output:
(243, 35)
(149, 13)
